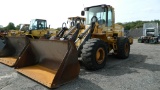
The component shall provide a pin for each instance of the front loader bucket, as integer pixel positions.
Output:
(2, 44)
(50, 62)
(12, 49)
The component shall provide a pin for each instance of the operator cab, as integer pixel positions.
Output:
(38, 24)
(103, 14)
(73, 20)
(24, 27)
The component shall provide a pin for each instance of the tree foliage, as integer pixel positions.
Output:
(59, 28)
(18, 27)
(136, 24)
(126, 25)
(10, 26)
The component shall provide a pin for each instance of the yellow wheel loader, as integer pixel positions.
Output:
(15, 41)
(21, 32)
(72, 21)
(38, 28)
(54, 62)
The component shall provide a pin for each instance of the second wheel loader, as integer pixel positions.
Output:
(23, 28)
(36, 29)
(54, 62)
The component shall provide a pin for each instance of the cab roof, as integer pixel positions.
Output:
(102, 5)
(77, 17)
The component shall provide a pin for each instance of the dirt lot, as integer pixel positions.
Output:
(141, 71)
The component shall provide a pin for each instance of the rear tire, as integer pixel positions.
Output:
(94, 54)
(139, 40)
(123, 48)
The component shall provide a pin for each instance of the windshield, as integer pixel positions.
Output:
(33, 25)
(24, 27)
(21, 26)
(71, 21)
(37, 24)
(99, 12)
(150, 30)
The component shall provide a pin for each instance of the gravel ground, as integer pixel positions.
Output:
(141, 71)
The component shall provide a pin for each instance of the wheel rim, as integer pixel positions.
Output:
(100, 54)
(126, 49)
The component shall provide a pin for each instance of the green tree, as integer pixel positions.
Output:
(10, 26)
(136, 24)
(59, 28)
(18, 27)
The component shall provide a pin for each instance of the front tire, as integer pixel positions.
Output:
(123, 48)
(94, 54)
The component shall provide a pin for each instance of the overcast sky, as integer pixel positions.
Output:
(57, 11)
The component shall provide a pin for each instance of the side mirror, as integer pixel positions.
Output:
(82, 13)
